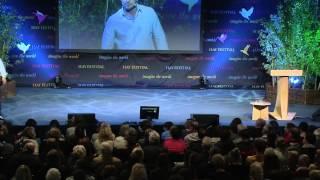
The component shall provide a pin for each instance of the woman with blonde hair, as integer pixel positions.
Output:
(105, 134)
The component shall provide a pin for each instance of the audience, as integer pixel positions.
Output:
(265, 151)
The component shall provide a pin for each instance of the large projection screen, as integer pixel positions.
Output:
(156, 26)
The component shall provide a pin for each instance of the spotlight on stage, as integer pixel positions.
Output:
(296, 82)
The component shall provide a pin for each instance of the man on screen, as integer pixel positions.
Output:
(134, 27)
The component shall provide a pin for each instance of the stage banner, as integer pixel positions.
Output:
(229, 58)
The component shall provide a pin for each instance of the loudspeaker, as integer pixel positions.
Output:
(84, 119)
(316, 115)
(206, 119)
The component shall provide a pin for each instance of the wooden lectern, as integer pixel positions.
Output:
(281, 107)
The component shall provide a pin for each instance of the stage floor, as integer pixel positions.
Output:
(120, 105)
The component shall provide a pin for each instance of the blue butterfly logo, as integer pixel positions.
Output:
(246, 13)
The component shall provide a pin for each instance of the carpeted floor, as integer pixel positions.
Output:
(120, 105)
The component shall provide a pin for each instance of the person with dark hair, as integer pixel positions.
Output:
(308, 146)
(203, 82)
(259, 146)
(234, 128)
(58, 82)
(166, 130)
(303, 128)
(31, 123)
(175, 144)
(54, 123)
(225, 144)
(28, 157)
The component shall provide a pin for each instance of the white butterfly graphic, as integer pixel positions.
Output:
(190, 3)
(23, 47)
(245, 50)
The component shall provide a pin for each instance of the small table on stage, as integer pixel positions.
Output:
(260, 109)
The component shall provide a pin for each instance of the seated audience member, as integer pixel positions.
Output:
(296, 140)
(302, 170)
(293, 157)
(316, 161)
(145, 126)
(316, 133)
(28, 157)
(132, 138)
(271, 163)
(23, 172)
(192, 135)
(308, 146)
(6, 147)
(109, 172)
(175, 144)
(256, 171)
(303, 129)
(234, 165)
(136, 156)
(314, 175)
(80, 174)
(120, 148)
(138, 172)
(54, 160)
(288, 132)
(53, 174)
(259, 146)
(29, 135)
(218, 168)
(105, 158)
(225, 145)
(234, 128)
(166, 130)
(105, 134)
(281, 151)
(243, 142)
(152, 150)
(260, 123)
(79, 152)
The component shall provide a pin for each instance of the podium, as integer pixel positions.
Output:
(281, 107)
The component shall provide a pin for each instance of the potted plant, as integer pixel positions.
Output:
(9, 26)
(289, 40)
(82, 18)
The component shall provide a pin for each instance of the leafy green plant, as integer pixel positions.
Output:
(9, 26)
(82, 18)
(290, 39)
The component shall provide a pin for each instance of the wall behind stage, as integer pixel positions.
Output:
(230, 59)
